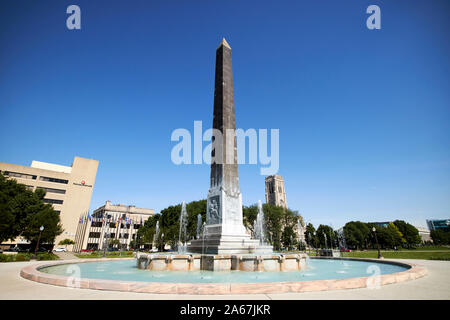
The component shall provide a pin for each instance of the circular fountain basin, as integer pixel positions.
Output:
(221, 262)
(320, 274)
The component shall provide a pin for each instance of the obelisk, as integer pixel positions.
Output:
(224, 231)
(224, 206)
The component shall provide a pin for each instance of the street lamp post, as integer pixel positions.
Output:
(376, 239)
(37, 244)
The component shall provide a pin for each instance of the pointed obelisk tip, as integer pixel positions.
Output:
(224, 43)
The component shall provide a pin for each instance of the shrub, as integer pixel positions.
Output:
(5, 257)
(22, 257)
(47, 256)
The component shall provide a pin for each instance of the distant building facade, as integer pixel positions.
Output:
(439, 224)
(301, 233)
(424, 234)
(68, 189)
(384, 224)
(110, 222)
(275, 192)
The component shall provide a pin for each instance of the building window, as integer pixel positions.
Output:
(96, 224)
(19, 175)
(94, 234)
(48, 179)
(53, 201)
(51, 190)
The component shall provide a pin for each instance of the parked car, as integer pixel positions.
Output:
(60, 250)
(345, 250)
(87, 250)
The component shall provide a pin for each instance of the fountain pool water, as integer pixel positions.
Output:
(317, 269)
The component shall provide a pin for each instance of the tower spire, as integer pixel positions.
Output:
(224, 43)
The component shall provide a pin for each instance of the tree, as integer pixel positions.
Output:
(280, 224)
(66, 242)
(325, 232)
(146, 232)
(193, 209)
(134, 244)
(114, 242)
(390, 236)
(310, 238)
(46, 217)
(15, 204)
(22, 212)
(356, 233)
(409, 232)
(440, 237)
(249, 216)
(371, 240)
(169, 223)
(289, 237)
(273, 216)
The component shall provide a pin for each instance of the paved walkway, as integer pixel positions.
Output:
(436, 285)
(66, 255)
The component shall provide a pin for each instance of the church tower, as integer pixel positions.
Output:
(275, 192)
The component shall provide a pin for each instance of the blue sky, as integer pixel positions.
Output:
(363, 114)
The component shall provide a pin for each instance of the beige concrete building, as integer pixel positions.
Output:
(109, 222)
(424, 234)
(69, 189)
(275, 192)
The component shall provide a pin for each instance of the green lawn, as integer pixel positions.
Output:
(428, 248)
(403, 254)
(438, 253)
(113, 254)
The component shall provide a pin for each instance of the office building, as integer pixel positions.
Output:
(68, 189)
(110, 222)
(439, 224)
(424, 234)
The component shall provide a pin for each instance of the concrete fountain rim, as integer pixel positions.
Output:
(32, 273)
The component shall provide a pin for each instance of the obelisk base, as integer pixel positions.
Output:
(228, 245)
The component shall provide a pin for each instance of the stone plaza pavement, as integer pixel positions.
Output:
(435, 285)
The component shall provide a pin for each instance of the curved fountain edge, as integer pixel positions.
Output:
(32, 273)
